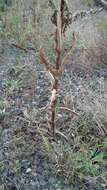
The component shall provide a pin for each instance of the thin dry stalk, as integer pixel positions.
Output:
(68, 109)
(56, 71)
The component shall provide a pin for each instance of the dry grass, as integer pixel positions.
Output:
(79, 149)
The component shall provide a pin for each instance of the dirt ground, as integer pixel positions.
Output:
(25, 162)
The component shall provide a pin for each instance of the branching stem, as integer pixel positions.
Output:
(56, 71)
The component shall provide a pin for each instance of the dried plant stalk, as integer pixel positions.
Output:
(56, 71)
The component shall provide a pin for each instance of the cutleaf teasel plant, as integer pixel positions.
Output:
(61, 19)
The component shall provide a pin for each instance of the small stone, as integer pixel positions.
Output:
(28, 170)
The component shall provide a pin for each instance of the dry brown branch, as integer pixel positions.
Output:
(20, 47)
(44, 60)
(55, 72)
(25, 49)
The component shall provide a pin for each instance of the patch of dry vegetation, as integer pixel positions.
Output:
(78, 152)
